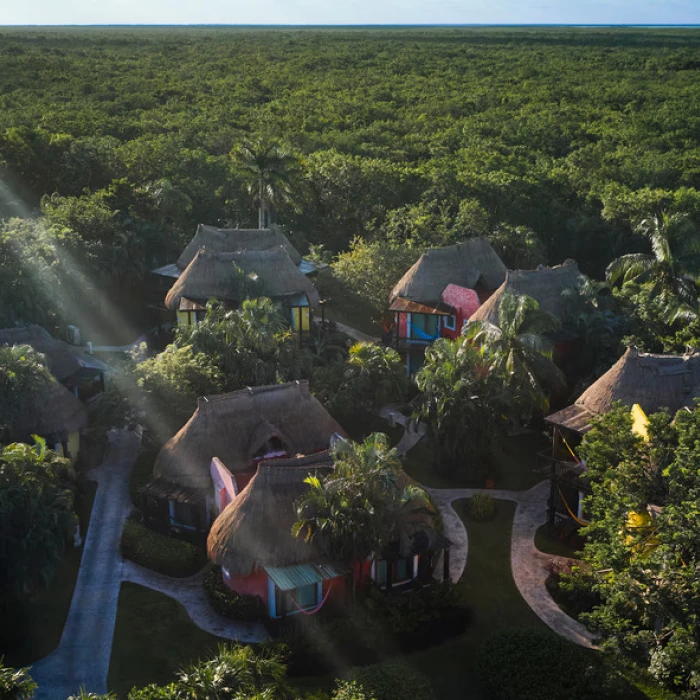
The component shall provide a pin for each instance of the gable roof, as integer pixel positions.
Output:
(545, 285)
(235, 240)
(255, 529)
(213, 275)
(234, 426)
(652, 381)
(63, 360)
(464, 265)
(52, 413)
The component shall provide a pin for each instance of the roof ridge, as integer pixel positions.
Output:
(250, 391)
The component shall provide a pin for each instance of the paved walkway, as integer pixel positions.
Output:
(528, 564)
(413, 432)
(351, 332)
(82, 656)
(190, 593)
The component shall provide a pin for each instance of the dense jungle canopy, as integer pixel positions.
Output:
(564, 137)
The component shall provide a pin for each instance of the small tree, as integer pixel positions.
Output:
(463, 400)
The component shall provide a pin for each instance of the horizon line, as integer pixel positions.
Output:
(300, 25)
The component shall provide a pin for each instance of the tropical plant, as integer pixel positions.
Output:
(360, 507)
(36, 515)
(236, 673)
(643, 543)
(671, 268)
(464, 400)
(23, 374)
(519, 349)
(15, 683)
(271, 170)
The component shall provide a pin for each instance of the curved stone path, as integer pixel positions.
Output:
(528, 564)
(190, 593)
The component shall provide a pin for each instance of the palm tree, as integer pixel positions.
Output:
(358, 509)
(270, 168)
(671, 267)
(520, 350)
(15, 683)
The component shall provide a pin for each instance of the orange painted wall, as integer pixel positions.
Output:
(253, 584)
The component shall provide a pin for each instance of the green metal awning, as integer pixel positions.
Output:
(287, 578)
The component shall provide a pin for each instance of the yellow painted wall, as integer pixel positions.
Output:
(74, 446)
(305, 314)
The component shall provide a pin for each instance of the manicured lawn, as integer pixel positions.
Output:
(38, 620)
(512, 465)
(153, 639)
(547, 543)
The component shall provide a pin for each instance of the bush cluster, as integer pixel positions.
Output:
(229, 603)
(481, 507)
(532, 665)
(392, 680)
(166, 555)
(572, 589)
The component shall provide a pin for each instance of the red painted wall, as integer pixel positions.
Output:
(253, 584)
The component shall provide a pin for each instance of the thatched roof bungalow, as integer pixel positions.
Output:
(468, 264)
(241, 428)
(67, 363)
(652, 381)
(545, 285)
(233, 240)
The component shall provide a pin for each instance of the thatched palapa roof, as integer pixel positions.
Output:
(545, 285)
(255, 529)
(464, 265)
(236, 240)
(63, 360)
(233, 427)
(52, 413)
(214, 275)
(652, 381)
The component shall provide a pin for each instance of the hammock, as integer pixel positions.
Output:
(573, 454)
(571, 513)
(422, 335)
(319, 606)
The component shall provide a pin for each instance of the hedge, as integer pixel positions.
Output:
(532, 665)
(166, 555)
(229, 603)
(392, 680)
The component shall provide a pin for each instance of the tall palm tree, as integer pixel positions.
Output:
(673, 264)
(271, 169)
(521, 351)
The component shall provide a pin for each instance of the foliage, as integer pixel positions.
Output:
(532, 665)
(36, 515)
(370, 269)
(359, 508)
(166, 555)
(23, 375)
(249, 346)
(392, 679)
(481, 507)
(370, 377)
(16, 684)
(85, 695)
(236, 673)
(672, 267)
(645, 565)
(227, 602)
(571, 588)
(155, 692)
(463, 402)
(350, 690)
(519, 350)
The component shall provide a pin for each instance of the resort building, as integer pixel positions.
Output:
(646, 383)
(81, 373)
(438, 294)
(233, 277)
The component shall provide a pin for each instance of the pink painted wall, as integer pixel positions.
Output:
(253, 584)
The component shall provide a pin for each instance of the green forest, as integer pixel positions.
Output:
(553, 142)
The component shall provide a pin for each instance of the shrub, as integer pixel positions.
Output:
(534, 665)
(349, 690)
(228, 603)
(154, 692)
(166, 555)
(392, 680)
(571, 588)
(481, 507)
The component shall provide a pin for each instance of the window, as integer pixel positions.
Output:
(402, 570)
(288, 602)
(182, 515)
(450, 322)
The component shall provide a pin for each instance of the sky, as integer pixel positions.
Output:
(57, 12)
